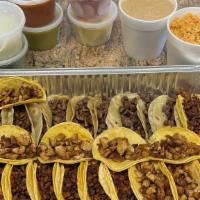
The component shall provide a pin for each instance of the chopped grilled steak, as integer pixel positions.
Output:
(129, 116)
(18, 183)
(153, 184)
(1, 171)
(9, 95)
(21, 118)
(58, 108)
(122, 185)
(65, 148)
(168, 109)
(45, 181)
(95, 189)
(102, 111)
(187, 187)
(191, 105)
(83, 115)
(17, 147)
(70, 188)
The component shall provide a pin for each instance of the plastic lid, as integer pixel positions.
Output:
(17, 57)
(28, 2)
(56, 22)
(92, 25)
(11, 6)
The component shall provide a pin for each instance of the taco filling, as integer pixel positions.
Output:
(119, 149)
(168, 110)
(20, 147)
(18, 183)
(187, 186)
(191, 106)
(153, 184)
(45, 181)
(10, 95)
(102, 111)
(129, 116)
(61, 147)
(83, 116)
(1, 171)
(58, 108)
(70, 188)
(122, 185)
(174, 148)
(95, 189)
(21, 118)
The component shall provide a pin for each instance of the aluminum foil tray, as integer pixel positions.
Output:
(77, 81)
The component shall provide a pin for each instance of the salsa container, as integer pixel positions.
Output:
(46, 37)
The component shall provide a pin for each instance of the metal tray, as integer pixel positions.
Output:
(77, 81)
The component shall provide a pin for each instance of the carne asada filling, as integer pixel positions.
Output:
(10, 95)
(122, 185)
(58, 108)
(95, 189)
(45, 181)
(18, 183)
(70, 188)
(17, 147)
(83, 116)
(21, 118)
(1, 171)
(168, 110)
(191, 105)
(154, 185)
(102, 111)
(129, 116)
(61, 147)
(172, 147)
(187, 187)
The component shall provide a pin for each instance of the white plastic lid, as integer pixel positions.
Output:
(56, 22)
(28, 2)
(94, 25)
(17, 57)
(14, 9)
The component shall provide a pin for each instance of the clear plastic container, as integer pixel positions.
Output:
(46, 37)
(12, 21)
(18, 60)
(91, 33)
(37, 12)
(143, 39)
(90, 10)
(180, 52)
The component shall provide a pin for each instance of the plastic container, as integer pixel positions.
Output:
(37, 12)
(143, 39)
(18, 60)
(90, 10)
(46, 37)
(91, 33)
(180, 52)
(12, 21)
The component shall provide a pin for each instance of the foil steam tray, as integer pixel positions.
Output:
(78, 81)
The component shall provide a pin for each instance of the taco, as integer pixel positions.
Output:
(17, 145)
(80, 110)
(16, 91)
(101, 105)
(150, 181)
(174, 145)
(126, 110)
(58, 106)
(66, 143)
(186, 178)
(162, 112)
(16, 184)
(44, 180)
(120, 148)
(188, 110)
